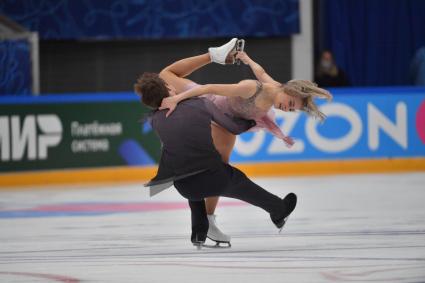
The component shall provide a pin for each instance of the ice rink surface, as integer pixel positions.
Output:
(351, 228)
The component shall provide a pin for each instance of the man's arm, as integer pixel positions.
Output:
(234, 125)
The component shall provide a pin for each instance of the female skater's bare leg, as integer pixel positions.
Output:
(224, 142)
(186, 66)
(175, 73)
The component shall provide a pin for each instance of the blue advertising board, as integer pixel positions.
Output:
(361, 123)
(86, 130)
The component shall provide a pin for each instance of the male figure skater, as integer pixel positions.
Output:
(190, 160)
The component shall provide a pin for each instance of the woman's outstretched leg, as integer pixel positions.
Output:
(174, 74)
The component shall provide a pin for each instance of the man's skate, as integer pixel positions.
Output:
(215, 234)
(198, 239)
(226, 54)
(289, 202)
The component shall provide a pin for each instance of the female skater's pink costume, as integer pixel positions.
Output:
(245, 108)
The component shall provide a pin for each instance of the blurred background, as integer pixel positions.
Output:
(97, 46)
(67, 70)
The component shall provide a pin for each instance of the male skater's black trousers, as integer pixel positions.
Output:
(224, 181)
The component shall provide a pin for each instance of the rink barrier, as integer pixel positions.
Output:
(143, 174)
(83, 138)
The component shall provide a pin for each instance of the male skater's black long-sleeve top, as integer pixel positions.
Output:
(187, 145)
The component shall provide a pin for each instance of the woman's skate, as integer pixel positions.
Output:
(226, 54)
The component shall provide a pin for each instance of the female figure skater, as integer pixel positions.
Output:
(247, 99)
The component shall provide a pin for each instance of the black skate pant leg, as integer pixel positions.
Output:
(241, 187)
(199, 220)
(189, 189)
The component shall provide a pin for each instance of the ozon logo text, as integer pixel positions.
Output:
(371, 126)
(29, 136)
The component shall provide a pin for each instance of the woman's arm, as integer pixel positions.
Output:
(243, 89)
(256, 68)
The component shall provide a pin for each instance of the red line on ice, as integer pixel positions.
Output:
(54, 277)
(123, 207)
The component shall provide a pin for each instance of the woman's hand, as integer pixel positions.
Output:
(169, 103)
(241, 55)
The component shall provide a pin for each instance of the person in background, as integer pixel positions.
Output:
(417, 68)
(328, 74)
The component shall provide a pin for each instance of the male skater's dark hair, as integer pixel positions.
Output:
(151, 89)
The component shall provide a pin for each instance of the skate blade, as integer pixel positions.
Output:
(217, 245)
(284, 222)
(221, 245)
(240, 45)
(198, 245)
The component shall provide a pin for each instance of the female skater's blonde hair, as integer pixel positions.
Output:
(307, 90)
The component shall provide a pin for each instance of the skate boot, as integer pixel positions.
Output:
(226, 53)
(289, 203)
(215, 234)
(198, 239)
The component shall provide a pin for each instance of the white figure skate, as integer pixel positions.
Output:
(226, 53)
(216, 235)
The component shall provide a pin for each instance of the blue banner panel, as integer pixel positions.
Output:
(154, 19)
(15, 67)
(361, 123)
(86, 130)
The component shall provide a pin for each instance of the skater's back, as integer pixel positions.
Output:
(186, 137)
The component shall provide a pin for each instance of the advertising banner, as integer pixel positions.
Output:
(79, 131)
(361, 123)
(86, 131)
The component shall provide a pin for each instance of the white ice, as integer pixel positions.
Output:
(346, 228)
